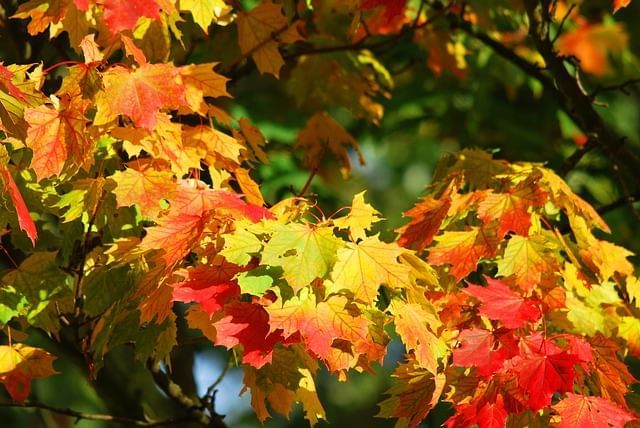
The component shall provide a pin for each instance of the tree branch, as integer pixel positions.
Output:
(192, 405)
(98, 416)
(573, 99)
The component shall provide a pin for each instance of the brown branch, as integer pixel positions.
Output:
(573, 160)
(625, 200)
(571, 96)
(98, 416)
(193, 405)
(622, 87)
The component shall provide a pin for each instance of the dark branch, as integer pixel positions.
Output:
(99, 417)
(573, 160)
(192, 405)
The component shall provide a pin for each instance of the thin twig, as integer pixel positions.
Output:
(98, 416)
(573, 160)
(562, 21)
(625, 200)
(622, 87)
(307, 183)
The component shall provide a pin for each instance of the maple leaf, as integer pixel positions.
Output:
(619, 4)
(260, 31)
(492, 415)
(528, 258)
(477, 350)
(288, 379)
(511, 209)
(361, 268)
(411, 321)
(5, 81)
(175, 235)
(581, 411)
(360, 218)
(56, 135)
(305, 252)
(247, 324)
(204, 12)
(321, 325)
(145, 183)
(19, 364)
(592, 44)
(218, 146)
(322, 135)
(201, 81)
(629, 329)
(42, 14)
(426, 219)
(139, 94)
(205, 286)
(542, 375)
(120, 15)
(501, 303)
(611, 373)
(24, 218)
(462, 250)
(413, 395)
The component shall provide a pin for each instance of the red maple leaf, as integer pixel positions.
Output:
(203, 285)
(248, 324)
(124, 14)
(5, 80)
(501, 303)
(581, 411)
(24, 218)
(492, 414)
(476, 349)
(542, 375)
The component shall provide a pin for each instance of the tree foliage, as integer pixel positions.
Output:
(134, 210)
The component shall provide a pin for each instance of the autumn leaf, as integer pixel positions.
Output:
(24, 217)
(201, 81)
(120, 15)
(361, 268)
(305, 252)
(360, 218)
(426, 218)
(412, 396)
(542, 375)
(581, 411)
(139, 93)
(463, 249)
(592, 44)
(528, 259)
(205, 286)
(477, 349)
(55, 136)
(511, 209)
(619, 4)
(323, 135)
(42, 14)
(246, 324)
(499, 302)
(5, 82)
(204, 12)
(260, 31)
(144, 183)
(417, 329)
(321, 326)
(19, 364)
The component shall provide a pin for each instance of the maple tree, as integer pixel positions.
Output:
(135, 211)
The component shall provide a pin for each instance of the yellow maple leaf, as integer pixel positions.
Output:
(361, 269)
(359, 219)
